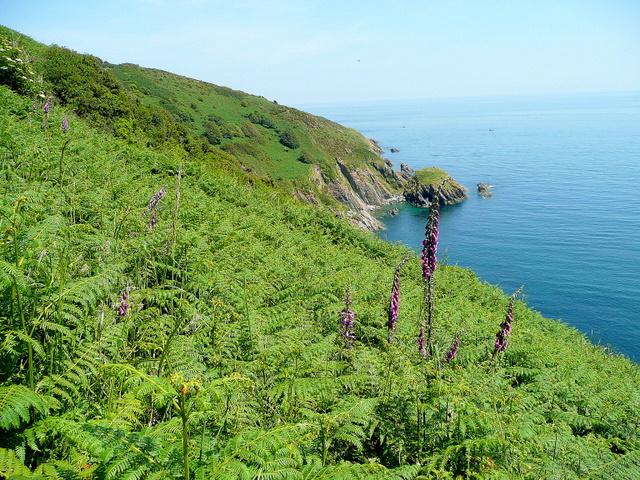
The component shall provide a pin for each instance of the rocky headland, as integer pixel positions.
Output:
(421, 187)
(366, 187)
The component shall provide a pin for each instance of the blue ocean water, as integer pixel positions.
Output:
(564, 218)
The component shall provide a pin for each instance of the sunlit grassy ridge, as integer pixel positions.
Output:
(250, 127)
(227, 362)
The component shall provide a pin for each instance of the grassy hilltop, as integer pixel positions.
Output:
(271, 139)
(169, 308)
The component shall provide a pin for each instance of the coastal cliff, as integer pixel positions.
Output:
(361, 189)
(181, 280)
(366, 187)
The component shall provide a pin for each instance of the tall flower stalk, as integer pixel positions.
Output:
(123, 307)
(152, 207)
(429, 263)
(45, 109)
(422, 349)
(502, 337)
(430, 242)
(153, 203)
(347, 324)
(394, 301)
(453, 349)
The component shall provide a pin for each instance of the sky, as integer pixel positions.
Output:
(302, 52)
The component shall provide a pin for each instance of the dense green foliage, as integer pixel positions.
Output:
(163, 315)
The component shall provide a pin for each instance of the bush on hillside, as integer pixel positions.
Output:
(15, 68)
(262, 119)
(82, 82)
(289, 139)
(212, 133)
(306, 157)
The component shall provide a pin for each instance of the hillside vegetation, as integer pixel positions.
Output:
(166, 313)
(310, 157)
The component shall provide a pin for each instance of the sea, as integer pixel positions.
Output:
(564, 216)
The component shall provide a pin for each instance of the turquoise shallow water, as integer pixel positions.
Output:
(564, 218)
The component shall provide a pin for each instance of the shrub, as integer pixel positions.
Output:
(306, 157)
(15, 68)
(289, 139)
(212, 133)
(262, 119)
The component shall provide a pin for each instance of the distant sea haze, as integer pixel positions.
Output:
(564, 218)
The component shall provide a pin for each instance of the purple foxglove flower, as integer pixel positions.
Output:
(156, 198)
(430, 242)
(153, 221)
(47, 105)
(421, 344)
(502, 337)
(65, 123)
(394, 299)
(124, 305)
(347, 323)
(453, 349)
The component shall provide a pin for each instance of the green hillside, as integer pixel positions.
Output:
(167, 313)
(302, 154)
(271, 139)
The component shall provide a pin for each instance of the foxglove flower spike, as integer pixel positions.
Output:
(394, 299)
(502, 337)
(347, 323)
(453, 349)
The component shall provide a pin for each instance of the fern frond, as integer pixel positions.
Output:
(345, 471)
(85, 293)
(47, 228)
(75, 373)
(9, 273)
(119, 454)
(11, 466)
(625, 467)
(38, 348)
(16, 402)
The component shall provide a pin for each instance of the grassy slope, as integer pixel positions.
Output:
(234, 299)
(258, 146)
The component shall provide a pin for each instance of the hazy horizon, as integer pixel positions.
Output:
(329, 51)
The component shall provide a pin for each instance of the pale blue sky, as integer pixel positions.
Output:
(314, 51)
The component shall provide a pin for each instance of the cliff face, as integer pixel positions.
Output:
(361, 189)
(365, 187)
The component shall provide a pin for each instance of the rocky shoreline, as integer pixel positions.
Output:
(364, 189)
(417, 188)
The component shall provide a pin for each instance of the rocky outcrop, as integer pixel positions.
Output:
(375, 146)
(365, 186)
(405, 173)
(363, 191)
(420, 189)
(484, 190)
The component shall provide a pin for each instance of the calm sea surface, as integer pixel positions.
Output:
(564, 218)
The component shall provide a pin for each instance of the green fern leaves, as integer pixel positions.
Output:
(18, 404)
